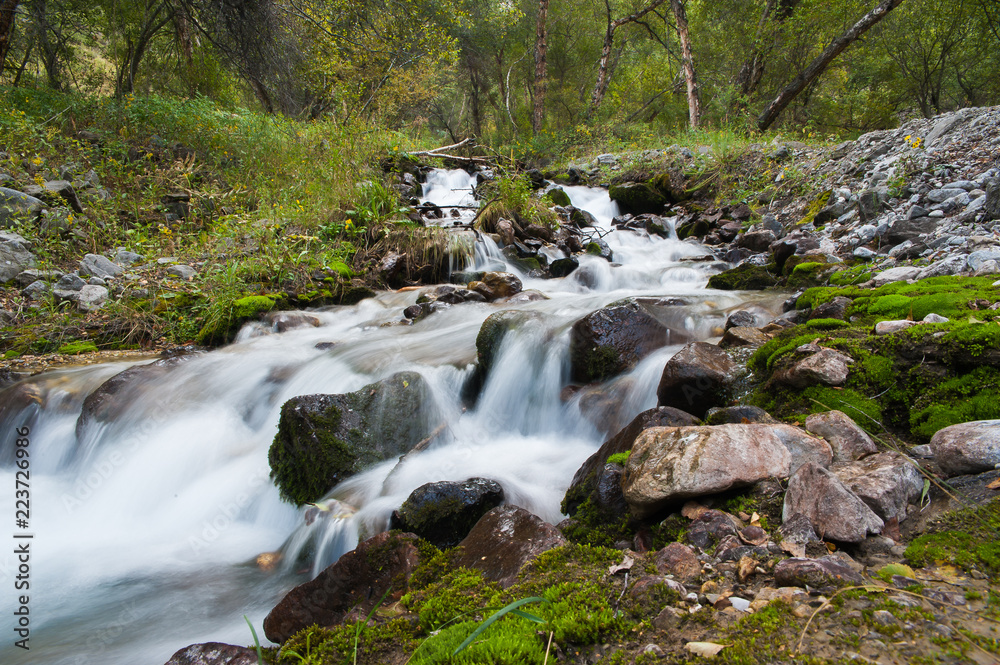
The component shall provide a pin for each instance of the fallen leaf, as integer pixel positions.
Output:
(755, 519)
(797, 550)
(693, 510)
(626, 564)
(706, 649)
(746, 568)
(995, 485)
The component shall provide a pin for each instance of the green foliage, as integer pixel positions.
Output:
(460, 595)
(971, 396)
(509, 642)
(965, 538)
(619, 458)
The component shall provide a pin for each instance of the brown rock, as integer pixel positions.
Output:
(497, 285)
(678, 560)
(585, 480)
(504, 540)
(355, 582)
(825, 571)
(835, 511)
(711, 527)
(972, 447)
(673, 463)
(743, 336)
(613, 340)
(214, 653)
(888, 482)
(696, 378)
(825, 367)
(848, 441)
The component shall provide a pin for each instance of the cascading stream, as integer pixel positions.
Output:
(147, 527)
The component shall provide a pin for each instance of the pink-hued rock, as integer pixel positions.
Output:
(504, 540)
(835, 511)
(849, 442)
(972, 447)
(887, 482)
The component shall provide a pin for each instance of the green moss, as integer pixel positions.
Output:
(461, 595)
(226, 318)
(972, 396)
(594, 526)
(854, 275)
(860, 408)
(557, 197)
(76, 348)
(376, 644)
(619, 458)
(510, 641)
(965, 538)
(814, 207)
(826, 324)
(746, 277)
(301, 472)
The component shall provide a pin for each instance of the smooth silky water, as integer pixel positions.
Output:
(147, 527)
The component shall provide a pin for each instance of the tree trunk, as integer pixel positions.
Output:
(820, 63)
(7, 12)
(603, 67)
(694, 104)
(541, 46)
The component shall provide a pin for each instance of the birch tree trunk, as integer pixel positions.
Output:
(694, 103)
(541, 68)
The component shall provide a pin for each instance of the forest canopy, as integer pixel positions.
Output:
(542, 69)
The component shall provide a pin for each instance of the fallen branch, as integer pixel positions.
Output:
(439, 152)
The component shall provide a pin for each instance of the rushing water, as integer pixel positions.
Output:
(147, 526)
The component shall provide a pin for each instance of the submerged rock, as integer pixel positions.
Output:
(443, 513)
(356, 582)
(504, 540)
(495, 328)
(325, 439)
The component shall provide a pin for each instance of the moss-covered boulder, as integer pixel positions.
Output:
(325, 439)
(637, 198)
(746, 277)
(557, 196)
(495, 328)
(225, 319)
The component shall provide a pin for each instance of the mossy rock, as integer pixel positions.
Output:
(226, 319)
(811, 273)
(325, 439)
(637, 198)
(495, 328)
(696, 229)
(557, 196)
(746, 277)
(814, 207)
(964, 538)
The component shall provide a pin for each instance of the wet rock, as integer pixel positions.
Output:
(324, 439)
(357, 581)
(746, 276)
(887, 482)
(741, 319)
(825, 571)
(504, 540)
(600, 248)
(696, 378)
(495, 285)
(563, 267)
(825, 367)
(99, 266)
(443, 513)
(972, 447)
(285, 321)
(735, 415)
(668, 464)
(214, 653)
(111, 400)
(678, 560)
(835, 512)
(709, 528)
(613, 340)
(587, 478)
(848, 441)
(17, 206)
(15, 256)
(495, 328)
(740, 336)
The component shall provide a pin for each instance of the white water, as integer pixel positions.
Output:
(147, 529)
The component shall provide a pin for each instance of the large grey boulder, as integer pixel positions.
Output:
(696, 378)
(835, 512)
(848, 441)
(61, 188)
(15, 256)
(324, 439)
(669, 464)
(18, 206)
(887, 482)
(972, 447)
(825, 367)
